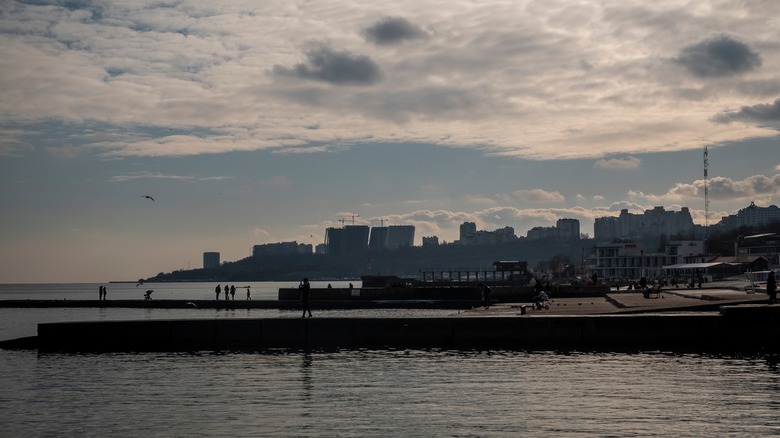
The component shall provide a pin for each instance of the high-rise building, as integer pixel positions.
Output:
(651, 223)
(750, 216)
(351, 238)
(378, 238)
(210, 260)
(430, 241)
(470, 236)
(468, 231)
(564, 229)
(568, 229)
(399, 236)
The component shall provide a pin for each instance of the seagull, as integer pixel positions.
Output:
(147, 196)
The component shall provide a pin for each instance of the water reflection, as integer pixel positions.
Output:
(391, 393)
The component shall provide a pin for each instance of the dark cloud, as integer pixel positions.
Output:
(722, 55)
(340, 68)
(765, 113)
(393, 30)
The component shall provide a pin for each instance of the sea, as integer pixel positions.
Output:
(363, 392)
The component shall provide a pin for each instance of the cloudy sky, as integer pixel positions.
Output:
(263, 121)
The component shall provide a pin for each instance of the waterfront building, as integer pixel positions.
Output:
(210, 260)
(765, 245)
(633, 260)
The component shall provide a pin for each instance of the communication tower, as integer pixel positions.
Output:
(706, 201)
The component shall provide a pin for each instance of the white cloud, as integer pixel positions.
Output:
(618, 163)
(538, 195)
(756, 187)
(158, 175)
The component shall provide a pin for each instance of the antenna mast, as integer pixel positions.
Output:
(706, 201)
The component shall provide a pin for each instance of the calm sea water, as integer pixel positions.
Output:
(379, 392)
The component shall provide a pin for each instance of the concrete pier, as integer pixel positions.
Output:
(747, 327)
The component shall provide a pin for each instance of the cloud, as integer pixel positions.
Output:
(151, 175)
(278, 181)
(260, 234)
(479, 200)
(64, 151)
(719, 188)
(393, 30)
(618, 163)
(761, 114)
(538, 195)
(718, 56)
(338, 68)
(514, 80)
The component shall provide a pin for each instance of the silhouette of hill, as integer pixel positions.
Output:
(403, 262)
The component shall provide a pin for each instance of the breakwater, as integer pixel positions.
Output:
(291, 304)
(732, 328)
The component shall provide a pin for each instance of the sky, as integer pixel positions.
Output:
(254, 122)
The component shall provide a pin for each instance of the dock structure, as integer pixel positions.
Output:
(735, 328)
(689, 320)
(500, 271)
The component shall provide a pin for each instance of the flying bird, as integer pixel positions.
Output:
(147, 196)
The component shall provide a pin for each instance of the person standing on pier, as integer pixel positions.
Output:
(771, 287)
(217, 291)
(233, 292)
(248, 295)
(104, 293)
(227, 293)
(304, 287)
(485, 295)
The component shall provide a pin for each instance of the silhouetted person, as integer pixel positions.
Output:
(105, 292)
(227, 293)
(304, 287)
(100, 293)
(217, 291)
(233, 292)
(485, 295)
(771, 287)
(148, 295)
(248, 295)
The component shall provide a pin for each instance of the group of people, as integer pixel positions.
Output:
(101, 293)
(230, 292)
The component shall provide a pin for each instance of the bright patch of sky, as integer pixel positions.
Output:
(261, 122)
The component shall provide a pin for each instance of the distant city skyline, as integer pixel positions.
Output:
(257, 123)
